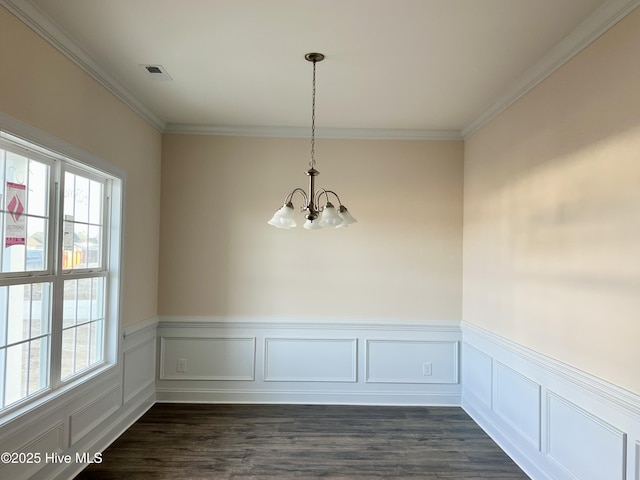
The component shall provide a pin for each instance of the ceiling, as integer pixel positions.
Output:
(393, 68)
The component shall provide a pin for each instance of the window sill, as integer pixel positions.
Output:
(40, 404)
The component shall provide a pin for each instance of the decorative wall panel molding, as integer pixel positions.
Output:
(50, 440)
(313, 361)
(92, 414)
(516, 400)
(555, 421)
(310, 360)
(477, 375)
(207, 358)
(581, 443)
(139, 365)
(411, 361)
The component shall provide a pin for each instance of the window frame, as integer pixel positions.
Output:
(62, 157)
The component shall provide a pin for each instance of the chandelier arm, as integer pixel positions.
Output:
(326, 193)
(319, 194)
(300, 191)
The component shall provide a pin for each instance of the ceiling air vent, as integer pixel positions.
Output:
(157, 72)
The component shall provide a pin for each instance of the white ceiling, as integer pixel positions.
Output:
(422, 67)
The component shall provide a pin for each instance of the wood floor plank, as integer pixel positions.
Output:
(194, 441)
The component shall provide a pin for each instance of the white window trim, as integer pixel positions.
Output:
(41, 144)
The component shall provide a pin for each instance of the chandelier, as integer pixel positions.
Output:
(317, 216)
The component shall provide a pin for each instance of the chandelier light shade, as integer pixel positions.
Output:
(317, 215)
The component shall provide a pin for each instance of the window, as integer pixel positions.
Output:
(59, 228)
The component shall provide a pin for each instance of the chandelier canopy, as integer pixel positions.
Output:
(317, 216)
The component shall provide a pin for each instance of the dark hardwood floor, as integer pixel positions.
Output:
(191, 441)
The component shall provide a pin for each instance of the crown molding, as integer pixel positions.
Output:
(589, 30)
(304, 132)
(42, 24)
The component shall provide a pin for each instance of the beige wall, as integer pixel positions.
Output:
(552, 202)
(402, 260)
(552, 214)
(42, 88)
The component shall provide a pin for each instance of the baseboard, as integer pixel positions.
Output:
(184, 395)
(554, 421)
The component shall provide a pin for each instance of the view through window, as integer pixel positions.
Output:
(55, 224)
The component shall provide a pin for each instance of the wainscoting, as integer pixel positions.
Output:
(320, 361)
(555, 421)
(86, 419)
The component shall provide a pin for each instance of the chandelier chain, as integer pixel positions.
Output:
(312, 162)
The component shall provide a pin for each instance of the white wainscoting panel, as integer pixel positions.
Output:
(583, 444)
(310, 360)
(555, 421)
(92, 414)
(403, 361)
(139, 365)
(516, 400)
(51, 441)
(477, 374)
(207, 358)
